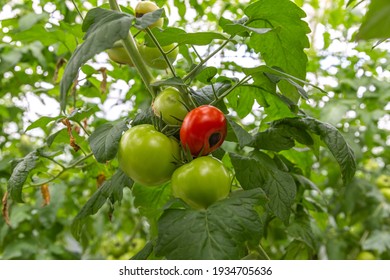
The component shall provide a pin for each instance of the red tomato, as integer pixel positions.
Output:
(203, 130)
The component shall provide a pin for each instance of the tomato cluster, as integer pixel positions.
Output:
(152, 158)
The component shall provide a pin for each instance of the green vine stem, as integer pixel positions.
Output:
(64, 169)
(203, 61)
(164, 54)
(226, 93)
(131, 48)
(261, 250)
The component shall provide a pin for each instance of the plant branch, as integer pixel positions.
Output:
(131, 48)
(207, 58)
(64, 169)
(164, 54)
(226, 93)
(78, 11)
(261, 250)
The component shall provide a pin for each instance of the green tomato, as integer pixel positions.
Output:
(148, 156)
(119, 55)
(386, 193)
(170, 106)
(144, 7)
(365, 255)
(201, 182)
(154, 58)
(383, 181)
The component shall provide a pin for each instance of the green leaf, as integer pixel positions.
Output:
(281, 137)
(243, 137)
(259, 171)
(274, 139)
(295, 129)
(105, 27)
(79, 115)
(238, 27)
(207, 74)
(29, 20)
(208, 94)
(284, 46)
(301, 230)
(144, 117)
(248, 172)
(376, 23)
(115, 184)
(242, 99)
(60, 136)
(169, 82)
(337, 145)
(148, 19)
(277, 78)
(104, 141)
(10, 59)
(150, 201)
(378, 241)
(176, 35)
(19, 175)
(145, 252)
(281, 190)
(276, 106)
(42, 122)
(297, 250)
(220, 232)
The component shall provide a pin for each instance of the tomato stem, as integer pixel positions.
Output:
(164, 54)
(131, 48)
(226, 93)
(262, 252)
(63, 170)
(203, 61)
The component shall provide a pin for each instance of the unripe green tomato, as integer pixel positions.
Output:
(119, 55)
(154, 58)
(201, 182)
(148, 156)
(169, 106)
(386, 193)
(365, 255)
(144, 7)
(383, 181)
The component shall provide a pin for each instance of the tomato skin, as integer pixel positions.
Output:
(201, 182)
(119, 55)
(153, 57)
(170, 106)
(203, 130)
(148, 156)
(383, 181)
(144, 7)
(386, 193)
(365, 255)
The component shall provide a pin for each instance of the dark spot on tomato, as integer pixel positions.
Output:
(214, 139)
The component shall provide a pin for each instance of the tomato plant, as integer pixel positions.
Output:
(201, 182)
(238, 80)
(137, 155)
(203, 130)
(170, 106)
